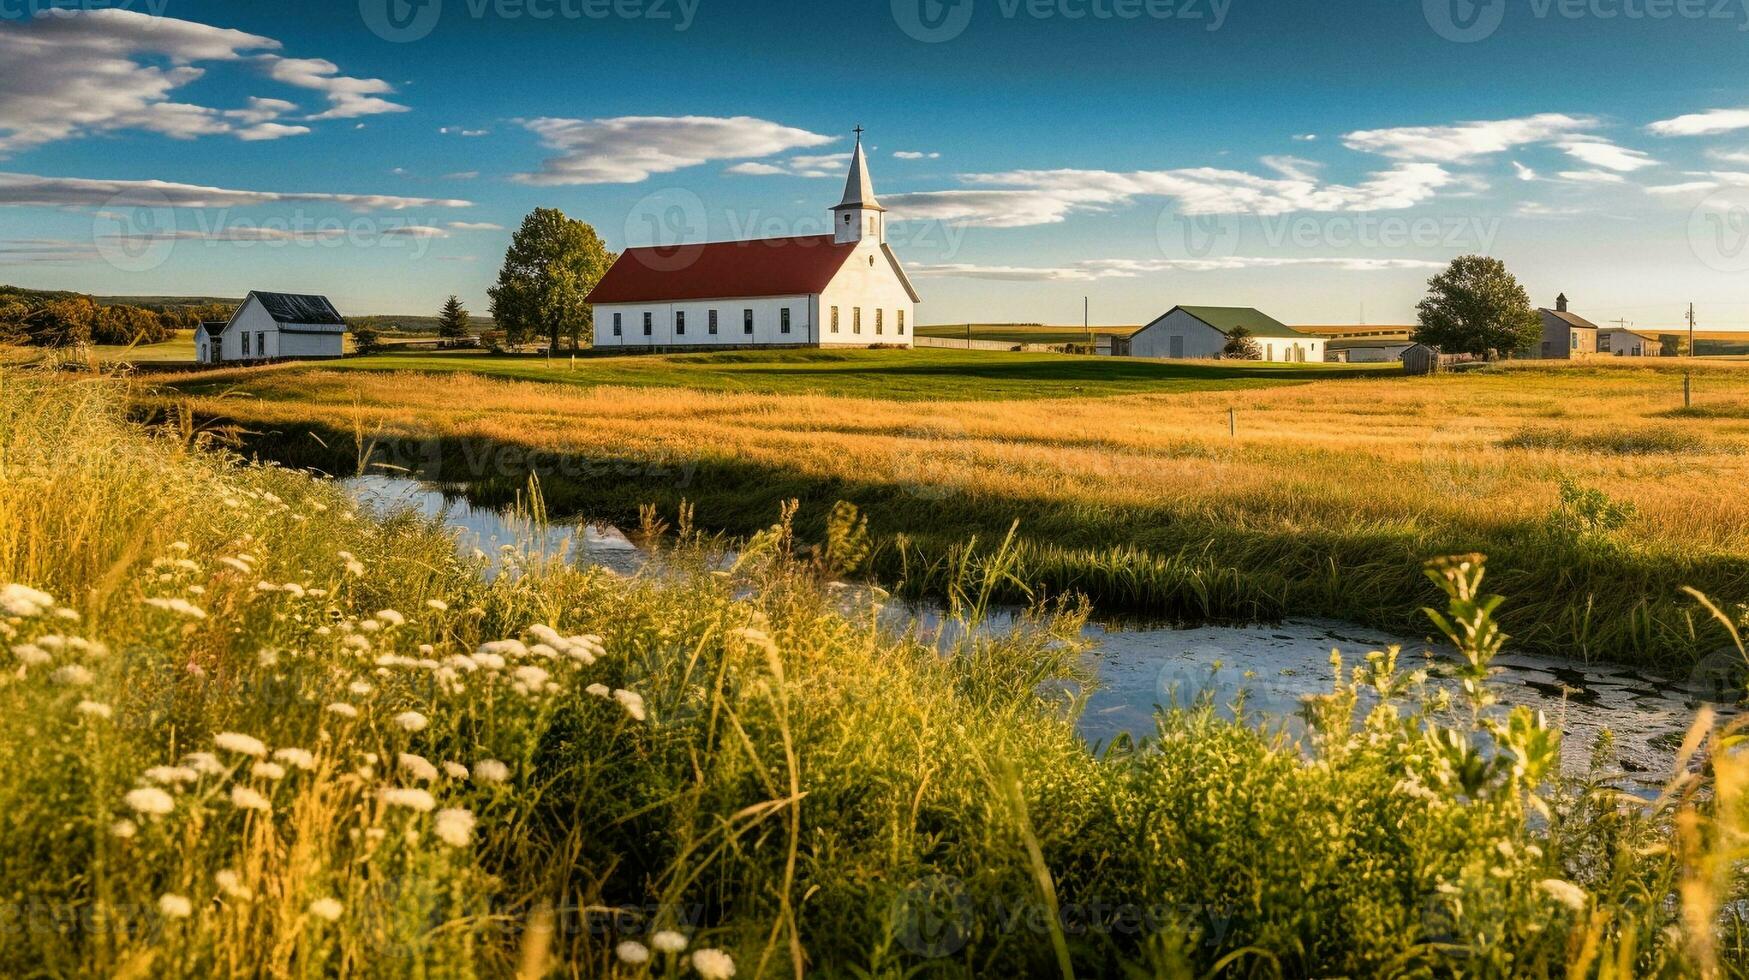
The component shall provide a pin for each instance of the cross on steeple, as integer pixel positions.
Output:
(859, 132)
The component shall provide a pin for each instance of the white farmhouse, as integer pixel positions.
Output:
(1627, 342)
(839, 290)
(274, 326)
(1191, 332)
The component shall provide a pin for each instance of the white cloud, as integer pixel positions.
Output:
(459, 131)
(1093, 270)
(1709, 123)
(462, 175)
(30, 190)
(475, 226)
(631, 149)
(1683, 189)
(1523, 172)
(1609, 156)
(1729, 156)
(348, 97)
(825, 165)
(1467, 141)
(414, 231)
(1306, 137)
(1592, 177)
(915, 155)
(1037, 197)
(72, 73)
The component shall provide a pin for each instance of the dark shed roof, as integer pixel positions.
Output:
(299, 308)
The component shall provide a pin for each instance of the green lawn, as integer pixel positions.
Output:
(1020, 333)
(911, 375)
(178, 349)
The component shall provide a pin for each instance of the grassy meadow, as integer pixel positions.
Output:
(248, 731)
(1325, 503)
(1020, 333)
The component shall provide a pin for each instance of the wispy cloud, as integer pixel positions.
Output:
(348, 97)
(1708, 123)
(1467, 141)
(631, 149)
(1609, 156)
(30, 190)
(915, 155)
(1093, 270)
(475, 226)
(825, 165)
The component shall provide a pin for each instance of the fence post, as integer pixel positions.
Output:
(1233, 423)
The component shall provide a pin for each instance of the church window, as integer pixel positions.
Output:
(901, 323)
(680, 323)
(245, 337)
(747, 321)
(785, 327)
(856, 320)
(834, 319)
(648, 319)
(713, 322)
(618, 326)
(880, 321)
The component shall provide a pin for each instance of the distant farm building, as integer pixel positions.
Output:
(838, 290)
(1567, 336)
(274, 326)
(1378, 351)
(1200, 332)
(1626, 342)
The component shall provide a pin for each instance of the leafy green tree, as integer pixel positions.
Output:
(366, 339)
(453, 320)
(1240, 346)
(549, 270)
(1476, 307)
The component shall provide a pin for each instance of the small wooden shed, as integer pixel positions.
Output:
(1422, 359)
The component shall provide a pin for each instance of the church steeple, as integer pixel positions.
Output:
(859, 216)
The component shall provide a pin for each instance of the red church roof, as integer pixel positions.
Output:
(723, 270)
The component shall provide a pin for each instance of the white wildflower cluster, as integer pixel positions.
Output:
(24, 602)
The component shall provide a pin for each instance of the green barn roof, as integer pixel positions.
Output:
(1226, 318)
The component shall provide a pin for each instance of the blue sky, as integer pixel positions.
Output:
(1318, 161)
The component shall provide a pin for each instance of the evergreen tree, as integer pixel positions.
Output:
(453, 321)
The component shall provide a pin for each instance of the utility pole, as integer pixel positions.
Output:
(1087, 322)
(1691, 330)
(1688, 376)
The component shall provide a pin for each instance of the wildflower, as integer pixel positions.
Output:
(491, 771)
(175, 906)
(599, 690)
(22, 600)
(205, 762)
(632, 953)
(1565, 892)
(299, 758)
(241, 744)
(412, 799)
(267, 770)
(487, 659)
(389, 617)
(172, 775)
(182, 606)
(72, 675)
(239, 564)
(412, 721)
(713, 964)
(356, 642)
(354, 567)
(503, 648)
(31, 655)
(94, 709)
(437, 604)
(531, 677)
(417, 767)
(343, 709)
(123, 829)
(181, 546)
(360, 688)
(632, 702)
(149, 800)
(369, 626)
(455, 770)
(244, 798)
(231, 883)
(327, 909)
(267, 658)
(454, 827)
(668, 941)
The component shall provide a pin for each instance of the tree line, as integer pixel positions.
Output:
(69, 320)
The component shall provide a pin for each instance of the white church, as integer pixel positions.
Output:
(845, 289)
